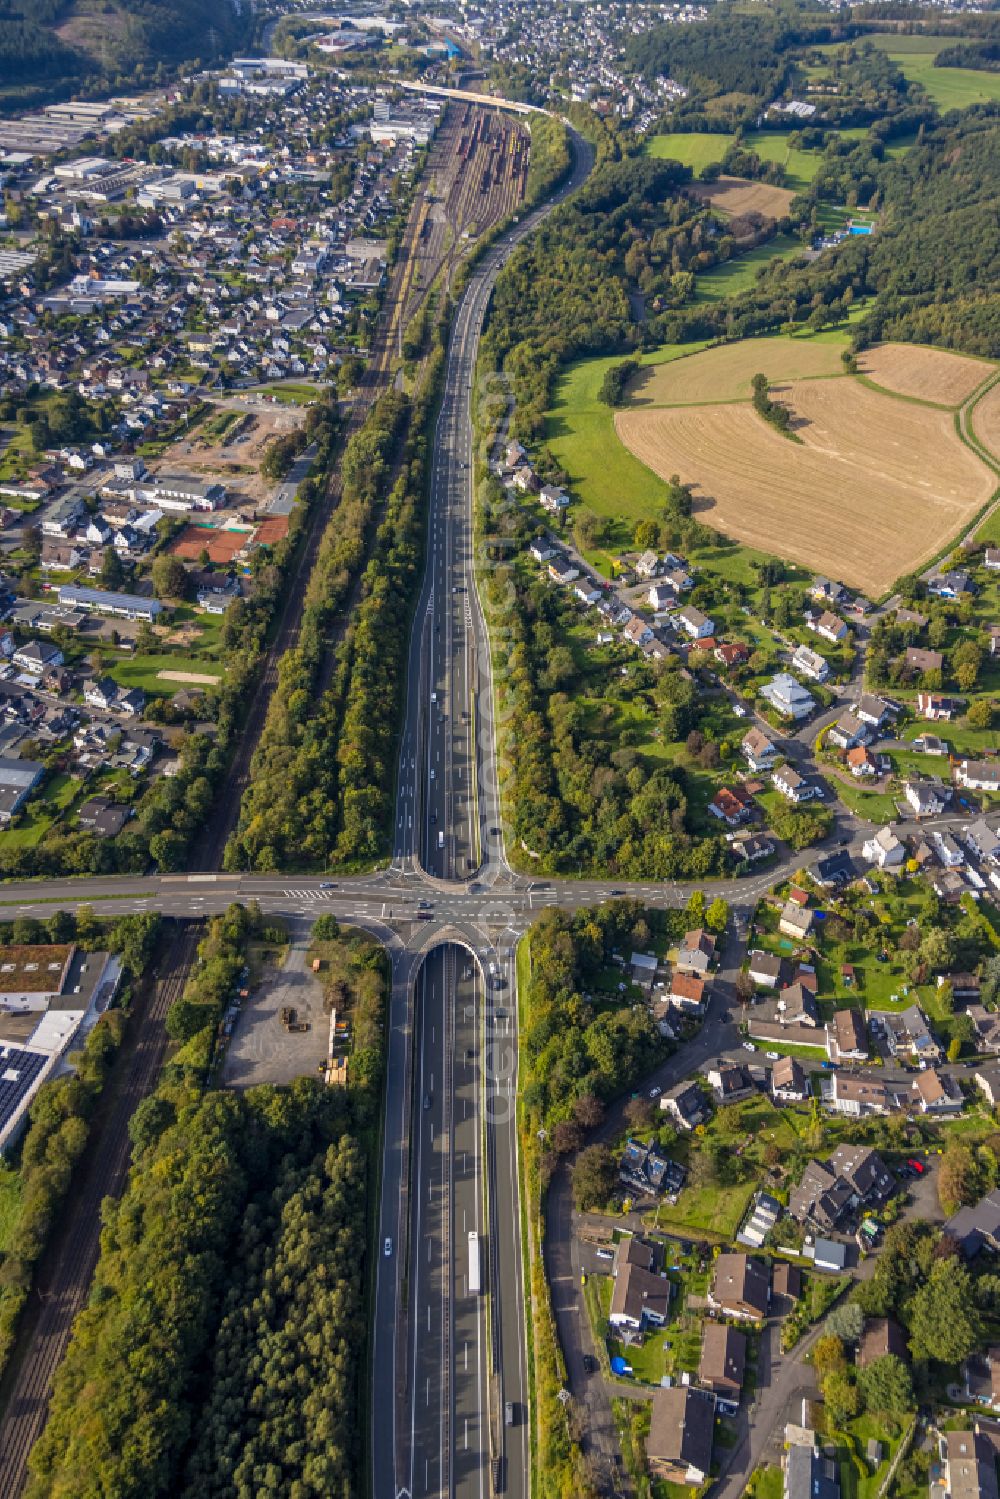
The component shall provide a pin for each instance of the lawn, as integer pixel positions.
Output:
(55, 798)
(766, 1483)
(949, 88)
(695, 149)
(143, 671)
(738, 274)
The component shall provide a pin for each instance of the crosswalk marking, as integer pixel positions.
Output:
(310, 894)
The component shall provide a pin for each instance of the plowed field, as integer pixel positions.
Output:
(929, 374)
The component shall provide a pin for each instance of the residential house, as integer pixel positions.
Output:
(102, 817)
(648, 565)
(795, 921)
(948, 585)
(730, 1083)
(884, 849)
(661, 596)
(809, 663)
(919, 660)
(749, 849)
(643, 968)
(881, 1336)
(553, 499)
(978, 1227)
(847, 732)
(758, 750)
(686, 1104)
(986, 1024)
(979, 775)
(937, 1093)
(984, 841)
(861, 762)
(681, 1431)
(38, 657)
(871, 710)
(819, 1197)
(101, 692)
(765, 969)
(858, 1094)
(829, 1255)
(732, 653)
(18, 779)
(788, 1081)
(927, 798)
(741, 1287)
(542, 550)
(981, 1379)
(987, 1078)
(641, 1293)
(638, 631)
(947, 850)
(786, 1280)
(991, 559)
(834, 870)
(562, 571)
(937, 708)
(730, 807)
(846, 1037)
(796, 1005)
(809, 1473)
(969, 1468)
(696, 953)
(828, 626)
(723, 1360)
(687, 992)
(792, 785)
(826, 592)
(788, 697)
(694, 623)
(907, 1032)
(870, 1180)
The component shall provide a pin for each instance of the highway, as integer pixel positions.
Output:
(448, 1361)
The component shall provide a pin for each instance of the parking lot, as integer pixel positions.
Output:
(261, 1048)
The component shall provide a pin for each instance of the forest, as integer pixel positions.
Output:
(136, 34)
(212, 1357)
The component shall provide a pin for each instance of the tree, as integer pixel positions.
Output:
(956, 1183)
(640, 1113)
(886, 1387)
(112, 572)
(841, 1396)
(594, 1177)
(980, 714)
(588, 1111)
(846, 1321)
(326, 928)
(954, 1049)
(942, 1317)
(828, 1355)
(169, 577)
(567, 1137)
(717, 915)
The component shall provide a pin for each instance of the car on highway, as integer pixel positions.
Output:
(589, 1363)
(616, 892)
(387, 1248)
(328, 885)
(432, 774)
(423, 905)
(655, 1092)
(427, 1100)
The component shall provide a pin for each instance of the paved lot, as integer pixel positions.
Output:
(261, 1050)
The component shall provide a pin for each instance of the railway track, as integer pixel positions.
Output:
(66, 1271)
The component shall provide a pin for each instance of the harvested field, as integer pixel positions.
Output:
(927, 374)
(738, 195)
(725, 373)
(986, 420)
(873, 489)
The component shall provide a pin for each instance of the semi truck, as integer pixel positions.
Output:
(474, 1286)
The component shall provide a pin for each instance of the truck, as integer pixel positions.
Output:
(474, 1286)
(287, 1016)
(440, 840)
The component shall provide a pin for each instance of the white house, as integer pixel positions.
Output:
(694, 623)
(795, 787)
(884, 849)
(810, 664)
(979, 775)
(788, 697)
(758, 751)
